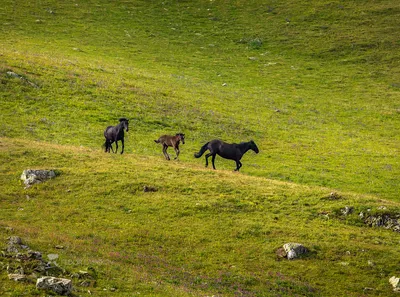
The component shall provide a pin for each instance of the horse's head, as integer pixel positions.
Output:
(181, 137)
(125, 123)
(253, 146)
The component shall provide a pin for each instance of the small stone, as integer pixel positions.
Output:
(347, 210)
(17, 277)
(149, 189)
(13, 74)
(35, 255)
(281, 253)
(52, 257)
(334, 196)
(395, 282)
(15, 240)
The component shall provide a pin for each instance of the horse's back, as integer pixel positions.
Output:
(224, 149)
(108, 131)
(218, 144)
(167, 140)
(161, 139)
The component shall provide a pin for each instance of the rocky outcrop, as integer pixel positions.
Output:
(26, 265)
(60, 286)
(387, 221)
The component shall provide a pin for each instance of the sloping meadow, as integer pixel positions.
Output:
(196, 231)
(316, 86)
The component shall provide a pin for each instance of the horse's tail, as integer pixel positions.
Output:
(202, 150)
(157, 141)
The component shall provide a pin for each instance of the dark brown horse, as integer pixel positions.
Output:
(169, 140)
(226, 150)
(114, 134)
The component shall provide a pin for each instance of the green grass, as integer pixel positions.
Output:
(315, 85)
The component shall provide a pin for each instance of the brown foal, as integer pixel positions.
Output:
(169, 140)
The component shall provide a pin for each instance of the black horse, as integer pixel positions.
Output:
(114, 134)
(226, 150)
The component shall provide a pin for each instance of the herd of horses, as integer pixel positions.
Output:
(231, 151)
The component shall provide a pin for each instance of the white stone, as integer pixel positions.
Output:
(61, 286)
(395, 282)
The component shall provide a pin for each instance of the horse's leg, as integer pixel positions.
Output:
(238, 165)
(176, 148)
(213, 160)
(122, 140)
(165, 152)
(116, 147)
(109, 146)
(209, 154)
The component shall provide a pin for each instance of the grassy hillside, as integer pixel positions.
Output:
(201, 233)
(315, 85)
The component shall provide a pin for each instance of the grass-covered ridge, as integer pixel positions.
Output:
(315, 85)
(202, 232)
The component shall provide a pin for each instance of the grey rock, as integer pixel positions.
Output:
(33, 176)
(13, 74)
(347, 210)
(15, 240)
(334, 196)
(14, 244)
(294, 250)
(388, 221)
(35, 255)
(61, 286)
